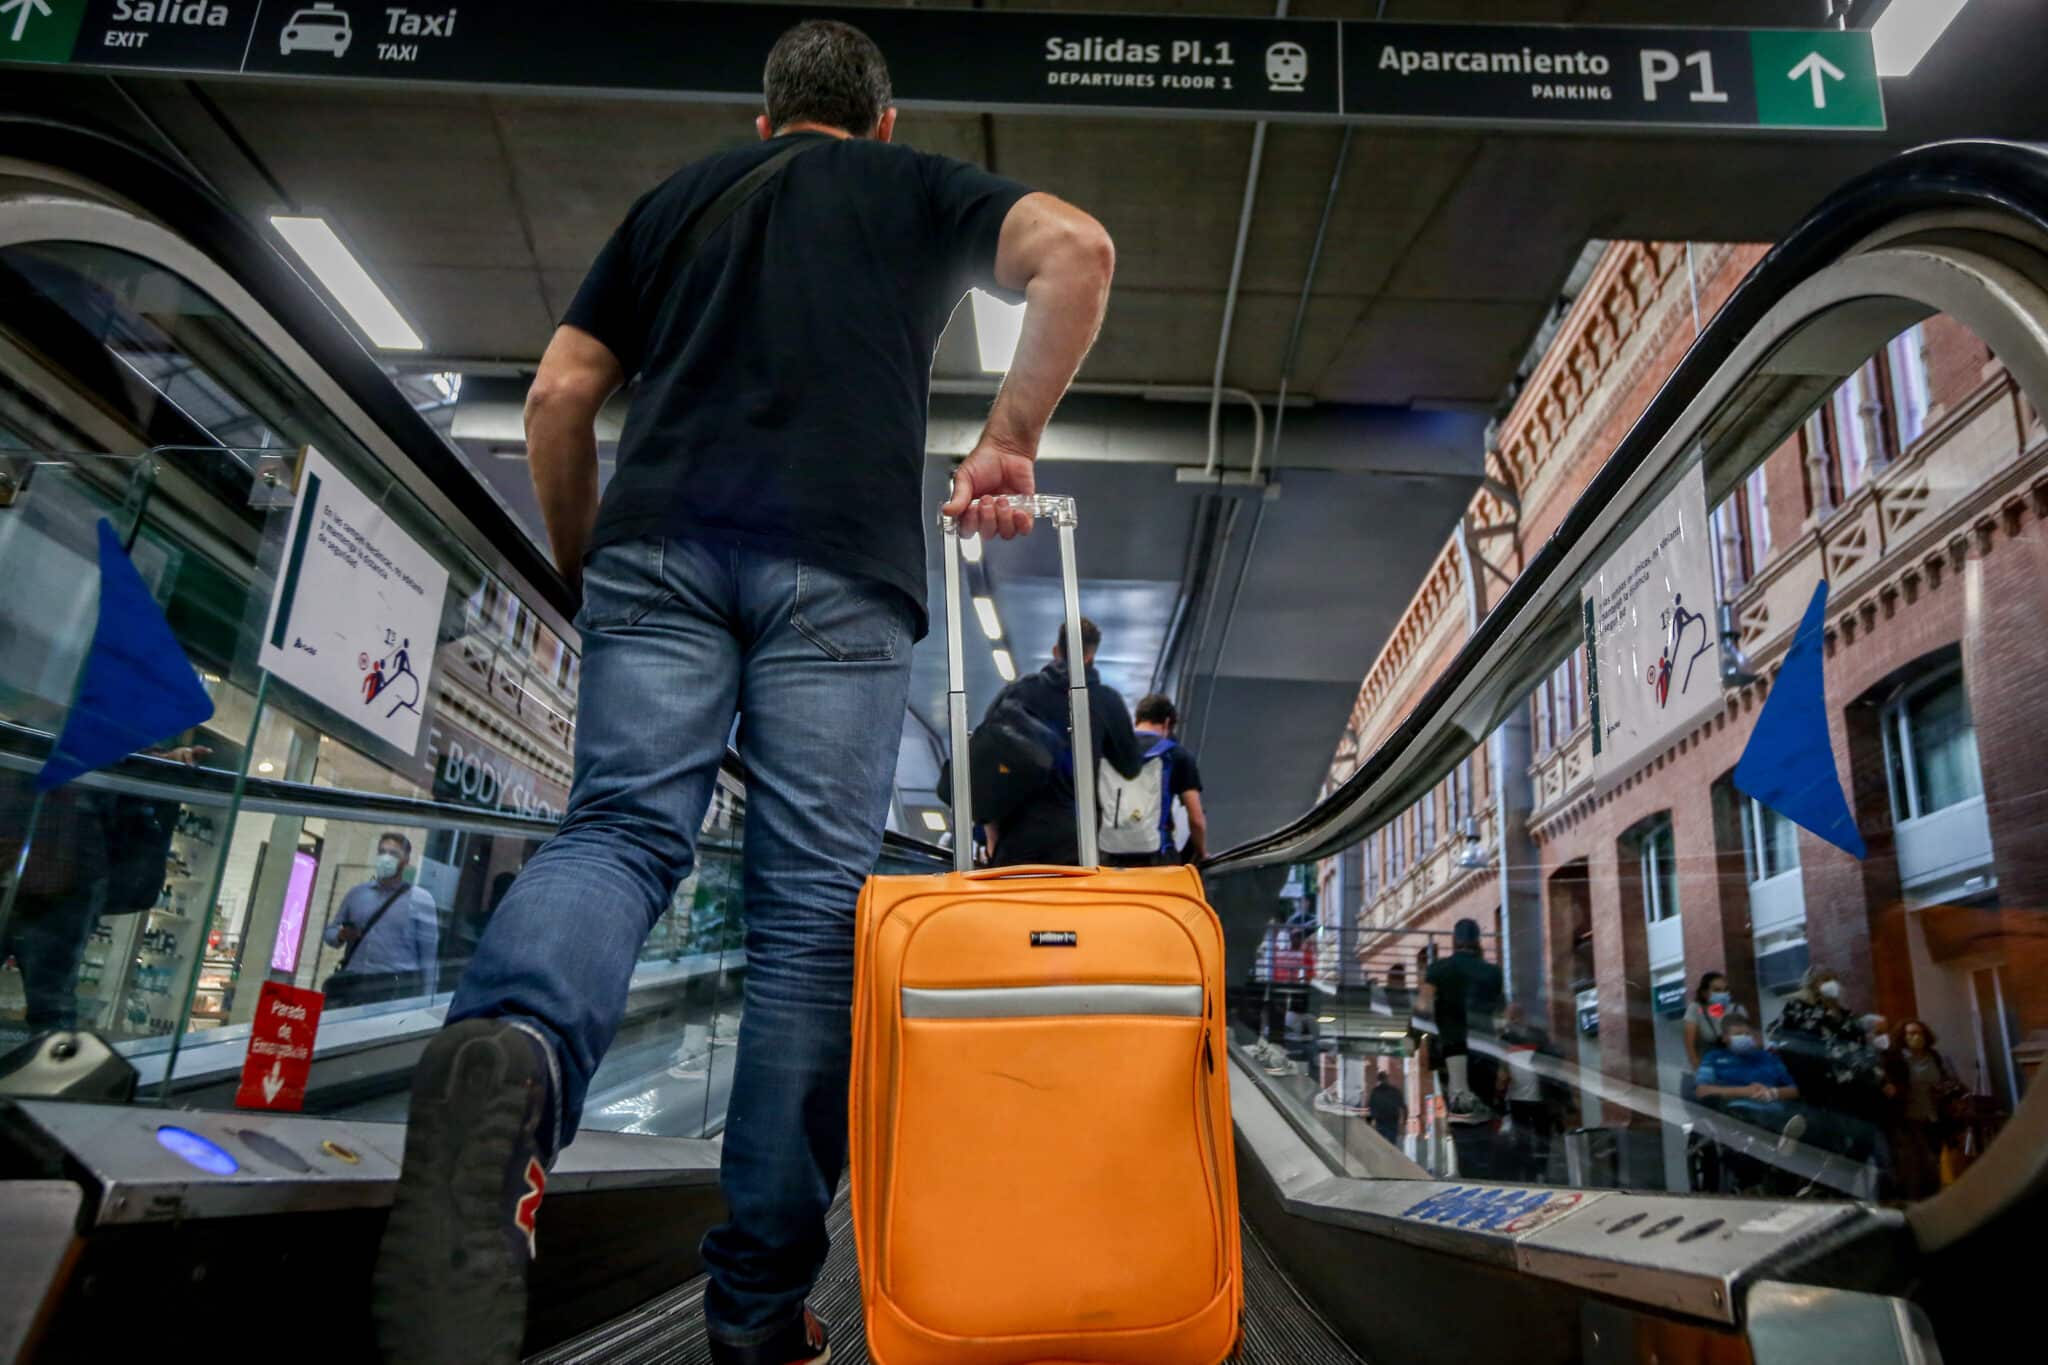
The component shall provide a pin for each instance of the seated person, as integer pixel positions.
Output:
(1747, 1081)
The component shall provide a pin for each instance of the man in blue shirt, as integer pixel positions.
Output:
(391, 930)
(1747, 1081)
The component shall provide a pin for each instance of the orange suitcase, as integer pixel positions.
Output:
(1041, 1140)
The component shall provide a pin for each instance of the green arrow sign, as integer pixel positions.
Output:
(39, 30)
(1815, 80)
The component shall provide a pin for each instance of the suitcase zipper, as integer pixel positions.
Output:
(1209, 1152)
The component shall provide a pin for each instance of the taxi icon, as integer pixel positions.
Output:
(323, 28)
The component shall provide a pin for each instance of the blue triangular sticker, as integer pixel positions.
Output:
(1789, 762)
(138, 687)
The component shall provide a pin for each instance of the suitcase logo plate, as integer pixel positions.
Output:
(1055, 938)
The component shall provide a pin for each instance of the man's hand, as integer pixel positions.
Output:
(991, 471)
(348, 934)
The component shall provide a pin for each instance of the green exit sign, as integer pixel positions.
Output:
(39, 30)
(1815, 80)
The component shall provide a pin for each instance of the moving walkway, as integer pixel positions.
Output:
(130, 1221)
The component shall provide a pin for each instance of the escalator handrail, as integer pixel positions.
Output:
(2002, 178)
(195, 212)
(23, 750)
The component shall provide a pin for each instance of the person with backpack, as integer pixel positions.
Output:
(391, 933)
(1040, 827)
(1137, 812)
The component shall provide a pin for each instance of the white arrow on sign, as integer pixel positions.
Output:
(274, 1082)
(22, 10)
(1821, 70)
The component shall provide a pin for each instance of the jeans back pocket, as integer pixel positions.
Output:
(850, 618)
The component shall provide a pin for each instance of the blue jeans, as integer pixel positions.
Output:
(678, 636)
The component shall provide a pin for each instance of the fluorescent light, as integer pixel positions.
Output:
(970, 549)
(1006, 666)
(991, 624)
(996, 328)
(1326, 1019)
(344, 276)
(266, 766)
(1902, 35)
(935, 821)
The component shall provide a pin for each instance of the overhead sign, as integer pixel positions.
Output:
(1149, 64)
(1652, 648)
(356, 612)
(280, 1055)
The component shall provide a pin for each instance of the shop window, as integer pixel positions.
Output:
(1770, 842)
(1659, 856)
(1930, 744)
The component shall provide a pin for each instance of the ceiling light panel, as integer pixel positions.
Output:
(343, 276)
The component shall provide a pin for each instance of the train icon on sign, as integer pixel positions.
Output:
(323, 28)
(1287, 67)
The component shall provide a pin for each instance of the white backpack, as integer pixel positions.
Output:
(1131, 806)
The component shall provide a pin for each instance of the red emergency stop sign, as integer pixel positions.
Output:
(280, 1048)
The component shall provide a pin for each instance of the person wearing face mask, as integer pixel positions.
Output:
(1710, 1005)
(1749, 1082)
(1829, 1053)
(390, 931)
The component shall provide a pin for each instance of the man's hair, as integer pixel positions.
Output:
(1465, 934)
(1155, 709)
(823, 71)
(392, 836)
(1091, 636)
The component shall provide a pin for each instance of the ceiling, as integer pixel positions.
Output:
(1446, 254)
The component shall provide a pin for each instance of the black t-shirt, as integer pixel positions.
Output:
(1187, 775)
(784, 372)
(1467, 987)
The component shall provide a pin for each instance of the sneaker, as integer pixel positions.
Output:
(1789, 1135)
(1467, 1107)
(801, 1343)
(450, 1282)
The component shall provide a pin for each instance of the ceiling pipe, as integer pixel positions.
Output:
(1308, 281)
(1244, 232)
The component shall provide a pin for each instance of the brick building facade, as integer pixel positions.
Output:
(1918, 490)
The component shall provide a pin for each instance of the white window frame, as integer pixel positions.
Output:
(1653, 896)
(1755, 817)
(1896, 725)
(1906, 358)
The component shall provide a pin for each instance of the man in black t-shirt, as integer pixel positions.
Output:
(1458, 991)
(760, 551)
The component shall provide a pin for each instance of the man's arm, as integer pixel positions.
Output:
(332, 938)
(577, 374)
(1198, 825)
(1061, 260)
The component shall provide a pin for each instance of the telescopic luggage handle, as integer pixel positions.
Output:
(1060, 512)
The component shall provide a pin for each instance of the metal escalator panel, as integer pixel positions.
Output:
(1280, 1328)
